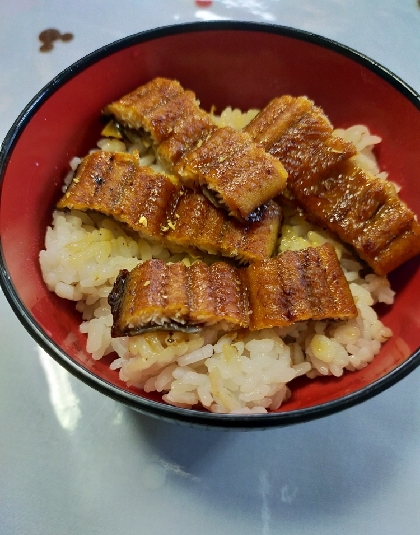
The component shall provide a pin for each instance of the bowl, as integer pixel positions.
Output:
(226, 63)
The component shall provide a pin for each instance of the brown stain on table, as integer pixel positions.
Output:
(49, 36)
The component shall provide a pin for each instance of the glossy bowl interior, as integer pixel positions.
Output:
(239, 64)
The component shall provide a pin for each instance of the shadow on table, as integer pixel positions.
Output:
(323, 467)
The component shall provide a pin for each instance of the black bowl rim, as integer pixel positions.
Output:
(143, 405)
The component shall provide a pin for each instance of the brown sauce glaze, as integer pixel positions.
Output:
(49, 36)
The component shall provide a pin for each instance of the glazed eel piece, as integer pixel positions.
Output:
(363, 210)
(277, 292)
(161, 210)
(237, 172)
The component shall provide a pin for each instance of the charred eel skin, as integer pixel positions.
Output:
(294, 286)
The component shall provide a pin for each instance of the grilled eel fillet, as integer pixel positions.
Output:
(157, 207)
(240, 174)
(294, 286)
(364, 211)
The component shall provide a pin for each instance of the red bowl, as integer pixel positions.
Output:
(225, 63)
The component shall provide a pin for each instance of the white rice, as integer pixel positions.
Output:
(365, 142)
(223, 372)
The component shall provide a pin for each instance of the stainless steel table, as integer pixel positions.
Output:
(74, 462)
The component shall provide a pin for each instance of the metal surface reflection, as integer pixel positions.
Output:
(62, 397)
(208, 14)
(254, 7)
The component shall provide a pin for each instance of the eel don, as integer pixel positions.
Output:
(236, 171)
(276, 292)
(161, 210)
(333, 191)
